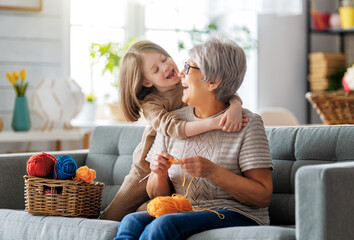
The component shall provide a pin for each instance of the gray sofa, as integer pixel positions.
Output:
(313, 187)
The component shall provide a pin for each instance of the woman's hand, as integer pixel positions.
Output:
(159, 163)
(158, 182)
(198, 166)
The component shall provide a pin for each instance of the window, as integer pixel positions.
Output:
(165, 22)
(94, 21)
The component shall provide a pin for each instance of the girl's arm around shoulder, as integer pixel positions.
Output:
(170, 125)
(162, 121)
(233, 120)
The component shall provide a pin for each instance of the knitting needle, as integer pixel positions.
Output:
(172, 161)
(145, 177)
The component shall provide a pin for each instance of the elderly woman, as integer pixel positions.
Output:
(230, 172)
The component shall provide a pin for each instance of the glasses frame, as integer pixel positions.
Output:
(187, 67)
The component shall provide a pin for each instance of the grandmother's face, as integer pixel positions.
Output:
(194, 87)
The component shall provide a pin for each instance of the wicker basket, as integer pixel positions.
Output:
(62, 197)
(333, 107)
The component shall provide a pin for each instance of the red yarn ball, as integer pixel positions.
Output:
(41, 165)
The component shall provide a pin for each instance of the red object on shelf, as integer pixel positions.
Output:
(320, 20)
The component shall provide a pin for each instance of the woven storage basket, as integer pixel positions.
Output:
(62, 197)
(333, 107)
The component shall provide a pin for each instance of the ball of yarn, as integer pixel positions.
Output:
(49, 191)
(41, 165)
(85, 174)
(65, 168)
(164, 205)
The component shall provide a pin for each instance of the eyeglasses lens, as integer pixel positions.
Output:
(186, 68)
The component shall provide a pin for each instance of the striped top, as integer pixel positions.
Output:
(236, 151)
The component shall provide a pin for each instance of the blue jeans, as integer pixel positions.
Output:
(141, 225)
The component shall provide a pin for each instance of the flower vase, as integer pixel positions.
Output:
(21, 119)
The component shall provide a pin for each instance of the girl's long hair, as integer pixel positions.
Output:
(132, 91)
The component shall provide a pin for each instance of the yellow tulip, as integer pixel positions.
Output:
(23, 74)
(15, 75)
(11, 79)
(8, 75)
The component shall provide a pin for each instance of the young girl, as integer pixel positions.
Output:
(149, 82)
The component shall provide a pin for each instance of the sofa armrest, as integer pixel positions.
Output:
(12, 169)
(324, 201)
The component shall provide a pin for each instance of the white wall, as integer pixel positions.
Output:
(282, 63)
(38, 42)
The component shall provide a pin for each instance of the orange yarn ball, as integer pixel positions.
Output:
(85, 174)
(164, 205)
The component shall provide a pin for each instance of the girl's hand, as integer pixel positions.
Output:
(233, 120)
(215, 122)
(198, 166)
(159, 163)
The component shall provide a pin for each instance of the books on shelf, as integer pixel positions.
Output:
(322, 56)
(321, 66)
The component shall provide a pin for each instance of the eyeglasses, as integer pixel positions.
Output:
(187, 67)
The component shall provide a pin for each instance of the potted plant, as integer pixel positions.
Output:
(111, 53)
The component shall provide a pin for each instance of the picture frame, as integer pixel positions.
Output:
(21, 5)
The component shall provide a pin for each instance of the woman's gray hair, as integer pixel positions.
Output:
(221, 60)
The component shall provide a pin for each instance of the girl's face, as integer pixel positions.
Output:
(194, 87)
(159, 71)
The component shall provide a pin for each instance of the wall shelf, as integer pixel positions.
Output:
(333, 31)
(341, 33)
(56, 135)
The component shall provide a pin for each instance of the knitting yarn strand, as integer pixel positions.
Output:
(176, 203)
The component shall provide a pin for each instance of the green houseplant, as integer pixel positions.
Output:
(111, 53)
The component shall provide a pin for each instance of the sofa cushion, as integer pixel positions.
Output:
(17, 224)
(247, 233)
(294, 147)
(110, 154)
